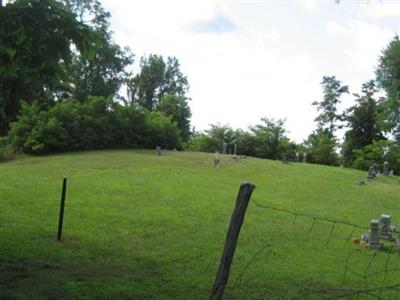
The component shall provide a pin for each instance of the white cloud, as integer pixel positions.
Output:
(238, 76)
(364, 42)
(310, 5)
(381, 9)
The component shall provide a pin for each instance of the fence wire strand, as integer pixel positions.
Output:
(315, 218)
(364, 275)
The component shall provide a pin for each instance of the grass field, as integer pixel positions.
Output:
(140, 226)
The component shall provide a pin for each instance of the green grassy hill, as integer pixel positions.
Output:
(142, 226)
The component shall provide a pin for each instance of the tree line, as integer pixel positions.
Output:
(60, 90)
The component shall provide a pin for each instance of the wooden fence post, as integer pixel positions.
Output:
(61, 218)
(242, 200)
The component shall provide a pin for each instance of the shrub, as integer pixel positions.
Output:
(6, 151)
(98, 123)
(378, 152)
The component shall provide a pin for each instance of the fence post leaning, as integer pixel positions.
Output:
(61, 218)
(242, 200)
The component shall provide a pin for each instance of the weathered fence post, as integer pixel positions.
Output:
(60, 221)
(242, 200)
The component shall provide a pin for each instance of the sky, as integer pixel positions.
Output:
(246, 60)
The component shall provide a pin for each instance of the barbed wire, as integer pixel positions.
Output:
(343, 293)
(365, 274)
(314, 218)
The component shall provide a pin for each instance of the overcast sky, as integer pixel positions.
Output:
(251, 59)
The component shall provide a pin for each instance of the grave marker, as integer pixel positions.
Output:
(386, 168)
(373, 238)
(216, 159)
(372, 171)
(158, 150)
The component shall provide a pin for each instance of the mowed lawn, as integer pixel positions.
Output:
(141, 226)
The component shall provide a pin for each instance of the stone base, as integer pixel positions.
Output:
(377, 246)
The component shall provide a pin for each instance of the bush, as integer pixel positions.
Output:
(98, 123)
(378, 152)
(6, 151)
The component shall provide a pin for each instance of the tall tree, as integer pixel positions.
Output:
(363, 121)
(104, 73)
(177, 108)
(388, 77)
(270, 138)
(36, 39)
(332, 90)
(321, 146)
(156, 79)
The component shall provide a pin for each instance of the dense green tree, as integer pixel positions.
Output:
(332, 90)
(388, 77)
(105, 72)
(378, 152)
(269, 138)
(212, 139)
(36, 39)
(177, 108)
(321, 147)
(363, 121)
(98, 123)
(266, 140)
(156, 79)
(220, 134)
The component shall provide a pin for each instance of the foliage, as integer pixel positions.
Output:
(269, 138)
(105, 72)
(378, 152)
(6, 151)
(363, 121)
(333, 90)
(266, 140)
(321, 147)
(99, 123)
(388, 77)
(200, 142)
(161, 131)
(36, 39)
(156, 79)
(177, 108)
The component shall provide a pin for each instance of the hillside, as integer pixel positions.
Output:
(143, 226)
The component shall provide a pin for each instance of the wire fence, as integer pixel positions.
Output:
(370, 289)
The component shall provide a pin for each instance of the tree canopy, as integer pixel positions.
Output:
(36, 39)
(388, 77)
(156, 79)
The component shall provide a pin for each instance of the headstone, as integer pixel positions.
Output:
(305, 157)
(297, 157)
(391, 173)
(385, 227)
(372, 171)
(373, 238)
(216, 159)
(235, 149)
(158, 150)
(397, 241)
(284, 159)
(386, 168)
(224, 148)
